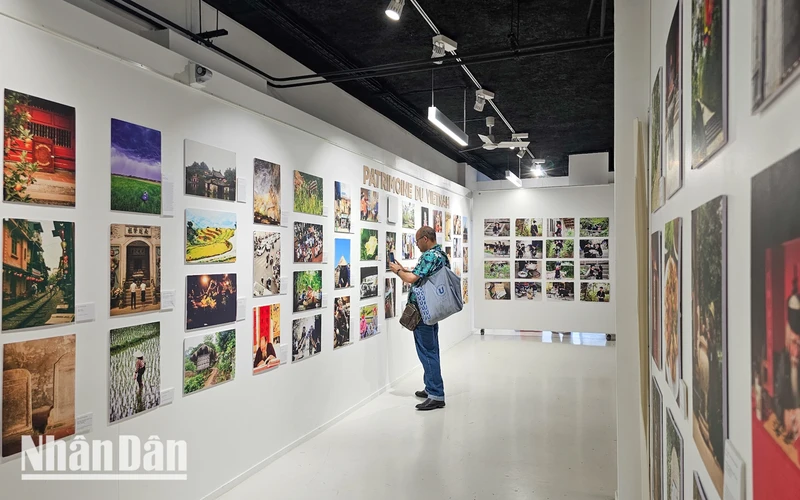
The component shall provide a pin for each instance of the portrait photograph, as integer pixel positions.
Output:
(560, 228)
(595, 292)
(409, 246)
(368, 321)
(266, 337)
(438, 221)
(594, 249)
(528, 228)
(595, 270)
(425, 217)
(341, 322)
(370, 205)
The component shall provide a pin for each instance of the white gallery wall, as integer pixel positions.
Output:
(755, 142)
(544, 203)
(239, 425)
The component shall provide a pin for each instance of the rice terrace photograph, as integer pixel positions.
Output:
(134, 375)
(135, 269)
(208, 360)
(36, 169)
(210, 236)
(135, 168)
(38, 391)
(266, 193)
(210, 172)
(342, 207)
(38, 273)
(308, 193)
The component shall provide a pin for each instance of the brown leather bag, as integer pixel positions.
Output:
(411, 317)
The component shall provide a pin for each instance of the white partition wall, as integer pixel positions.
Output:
(542, 312)
(239, 425)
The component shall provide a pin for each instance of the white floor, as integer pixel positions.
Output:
(524, 420)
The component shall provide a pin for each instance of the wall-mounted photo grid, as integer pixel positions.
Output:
(546, 258)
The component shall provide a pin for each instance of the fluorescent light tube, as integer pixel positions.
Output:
(513, 179)
(445, 125)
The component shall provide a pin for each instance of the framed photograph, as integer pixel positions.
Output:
(595, 270)
(656, 143)
(457, 250)
(466, 260)
(341, 273)
(210, 300)
(308, 243)
(496, 269)
(306, 337)
(448, 227)
(672, 303)
(497, 227)
(390, 299)
(776, 57)
(594, 249)
(266, 337)
(438, 221)
(369, 282)
(560, 270)
(208, 360)
(307, 290)
(529, 249)
(457, 225)
(266, 193)
(210, 236)
(528, 228)
(497, 290)
(38, 273)
(528, 269)
(674, 477)
(390, 248)
(409, 246)
(561, 228)
(464, 289)
(135, 168)
(409, 215)
(698, 493)
(655, 297)
(210, 172)
(342, 207)
(135, 268)
(134, 372)
(561, 249)
(497, 248)
(38, 170)
(595, 292)
(528, 290)
(594, 227)
(673, 129)
(425, 217)
(465, 230)
(368, 322)
(369, 244)
(561, 291)
(370, 205)
(308, 193)
(709, 43)
(656, 442)
(39, 390)
(341, 322)
(266, 263)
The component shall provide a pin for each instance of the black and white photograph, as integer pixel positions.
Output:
(306, 337)
(266, 263)
(369, 282)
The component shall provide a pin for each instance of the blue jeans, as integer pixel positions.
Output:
(426, 339)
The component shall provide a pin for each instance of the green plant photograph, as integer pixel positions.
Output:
(594, 227)
(369, 244)
(560, 249)
(656, 167)
(496, 269)
(208, 360)
(308, 195)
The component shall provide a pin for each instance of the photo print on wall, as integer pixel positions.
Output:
(135, 168)
(655, 298)
(369, 244)
(709, 101)
(342, 207)
(456, 225)
(370, 205)
(368, 322)
(342, 257)
(425, 217)
(409, 215)
(497, 227)
(448, 227)
(135, 263)
(438, 221)
(306, 337)
(307, 290)
(528, 290)
(308, 243)
(308, 193)
(390, 248)
(529, 249)
(528, 228)
(464, 289)
(497, 248)
(496, 269)
(210, 300)
(561, 290)
(656, 441)
(674, 476)
(266, 337)
(266, 263)
(709, 335)
(595, 292)
(561, 228)
(266, 193)
(210, 236)
(560, 270)
(38, 391)
(656, 140)
(465, 231)
(389, 299)
(594, 227)
(409, 245)
(369, 282)
(341, 322)
(775, 329)
(595, 270)
(210, 172)
(497, 290)
(457, 252)
(134, 374)
(776, 57)
(528, 269)
(208, 360)
(38, 273)
(38, 170)
(594, 249)
(698, 492)
(672, 303)
(673, 126)
(560, 249)
(466, 260)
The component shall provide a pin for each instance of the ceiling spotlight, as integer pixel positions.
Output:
(538, 171)
(441, 46)
(394, 9)
(521, 154)
(481, 96)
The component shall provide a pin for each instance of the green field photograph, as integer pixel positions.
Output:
(210, 236)
(135, 168)
(134, 377)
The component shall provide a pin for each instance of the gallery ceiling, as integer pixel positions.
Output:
(564, 101)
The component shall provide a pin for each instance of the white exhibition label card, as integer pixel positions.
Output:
(167, 396)
(285, 352)
(734, 473)
(167, 300)
(324, 300)
(84, 312)
(324, 257)
(325, 210)
(83, 423)
(241, 190)
(284, 285)
(241, 305)
(167, 196)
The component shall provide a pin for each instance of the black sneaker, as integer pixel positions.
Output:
(421, 394)
(430, 404)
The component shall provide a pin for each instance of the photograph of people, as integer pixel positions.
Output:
(308, 241)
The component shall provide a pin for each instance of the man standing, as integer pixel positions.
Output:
(426, 337)
(133, 289)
